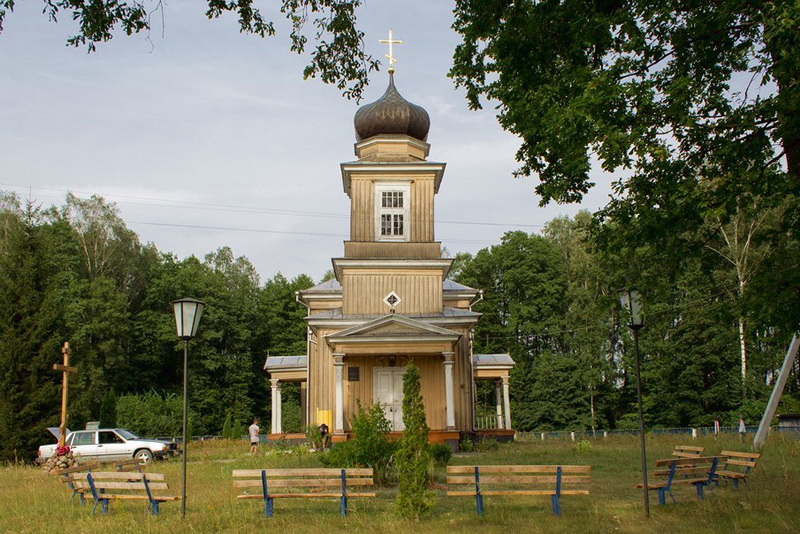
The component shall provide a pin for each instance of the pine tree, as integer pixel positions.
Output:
(413, 457)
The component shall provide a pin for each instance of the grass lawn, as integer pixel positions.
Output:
(34, 502)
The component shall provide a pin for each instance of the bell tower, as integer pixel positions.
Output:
(391, 186)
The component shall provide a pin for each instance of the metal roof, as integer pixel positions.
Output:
(492, 361)
(286, 362)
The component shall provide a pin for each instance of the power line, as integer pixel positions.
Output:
(248, 209)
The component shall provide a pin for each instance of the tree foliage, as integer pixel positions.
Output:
(692, 105)
(337, 55)
(78, 274)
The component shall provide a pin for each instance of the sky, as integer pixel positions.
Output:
(204, 137)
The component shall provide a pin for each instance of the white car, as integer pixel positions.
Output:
(109, 444)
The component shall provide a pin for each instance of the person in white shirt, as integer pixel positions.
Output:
(254, 432)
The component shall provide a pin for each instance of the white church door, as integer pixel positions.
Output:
(388, 392)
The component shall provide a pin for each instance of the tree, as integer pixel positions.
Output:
(338, 55)
(695, 103)
(413, 457)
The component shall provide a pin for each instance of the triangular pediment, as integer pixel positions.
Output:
(394, 325)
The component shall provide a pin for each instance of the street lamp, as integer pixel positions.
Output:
(188, 312)
(631, 301)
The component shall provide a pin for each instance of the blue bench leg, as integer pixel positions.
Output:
(479, 503)
(671, 496)
(699, 490)
(104, 506)
(735, 483)
(556, 505)
(154, 511)
(662, 500)
(268, 507)
(343, 510)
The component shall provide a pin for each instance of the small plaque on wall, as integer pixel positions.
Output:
(352, 374)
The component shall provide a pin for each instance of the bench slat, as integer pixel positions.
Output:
(305, 495)
(303, 482)
(516, 492)
(133, 486)
(77, 469)
(355, 472)
(735, 454)
(686, 461)
(743, 463)
(465, 469)
(523, 479)
(132, 496)
(117, 475)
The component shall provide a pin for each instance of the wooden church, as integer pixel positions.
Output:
(391, 302)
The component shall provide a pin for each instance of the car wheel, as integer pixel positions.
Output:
(144, 455)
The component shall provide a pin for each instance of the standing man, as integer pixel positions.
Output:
(255, 434)
(742, 429)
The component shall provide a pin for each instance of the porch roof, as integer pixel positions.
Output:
(492, 361)
(286, 363)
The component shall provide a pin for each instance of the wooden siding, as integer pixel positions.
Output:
(316, 306)
(321, 380)
(463, 382)
(389, 249)
(420, 291)
(362, 209)
(422, 210)
(321, 398)
(461, 304)
(362, 206)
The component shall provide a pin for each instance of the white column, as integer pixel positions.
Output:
(279, 426)
(276, 407)
(506, 404)
(449, 360)
(498, 399)
(338, 363)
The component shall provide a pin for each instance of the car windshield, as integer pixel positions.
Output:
(125, 434)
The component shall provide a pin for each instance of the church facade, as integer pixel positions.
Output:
(391, 302)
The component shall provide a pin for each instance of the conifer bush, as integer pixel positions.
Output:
(414, 462)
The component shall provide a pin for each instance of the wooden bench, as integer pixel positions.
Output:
(133, 464)
(699, 471)
(302, 483)
(73, 476)
(687, 451)
(518, 480)
(735, 466)
(126, 486)
(682, 451)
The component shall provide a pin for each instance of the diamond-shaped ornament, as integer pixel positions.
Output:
(392, 300)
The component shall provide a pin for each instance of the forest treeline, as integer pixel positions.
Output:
(718, 323)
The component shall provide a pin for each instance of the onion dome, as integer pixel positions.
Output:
(392, 114)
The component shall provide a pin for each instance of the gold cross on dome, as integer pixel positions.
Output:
(390, 55)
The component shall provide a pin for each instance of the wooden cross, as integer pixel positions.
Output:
(390, 55)
(66, 370)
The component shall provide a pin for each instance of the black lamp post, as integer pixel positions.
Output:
(632, 303)
(188, 312)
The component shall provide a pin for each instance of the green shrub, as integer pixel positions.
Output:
(487, 444)
(414, 463)
(231, 430)
(466, 445)
(290, 417)
(583, 446)
(370, 446)
(441, 454)
(314, 437)
(149, 414)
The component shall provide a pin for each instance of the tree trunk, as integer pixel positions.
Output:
(743, 353)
